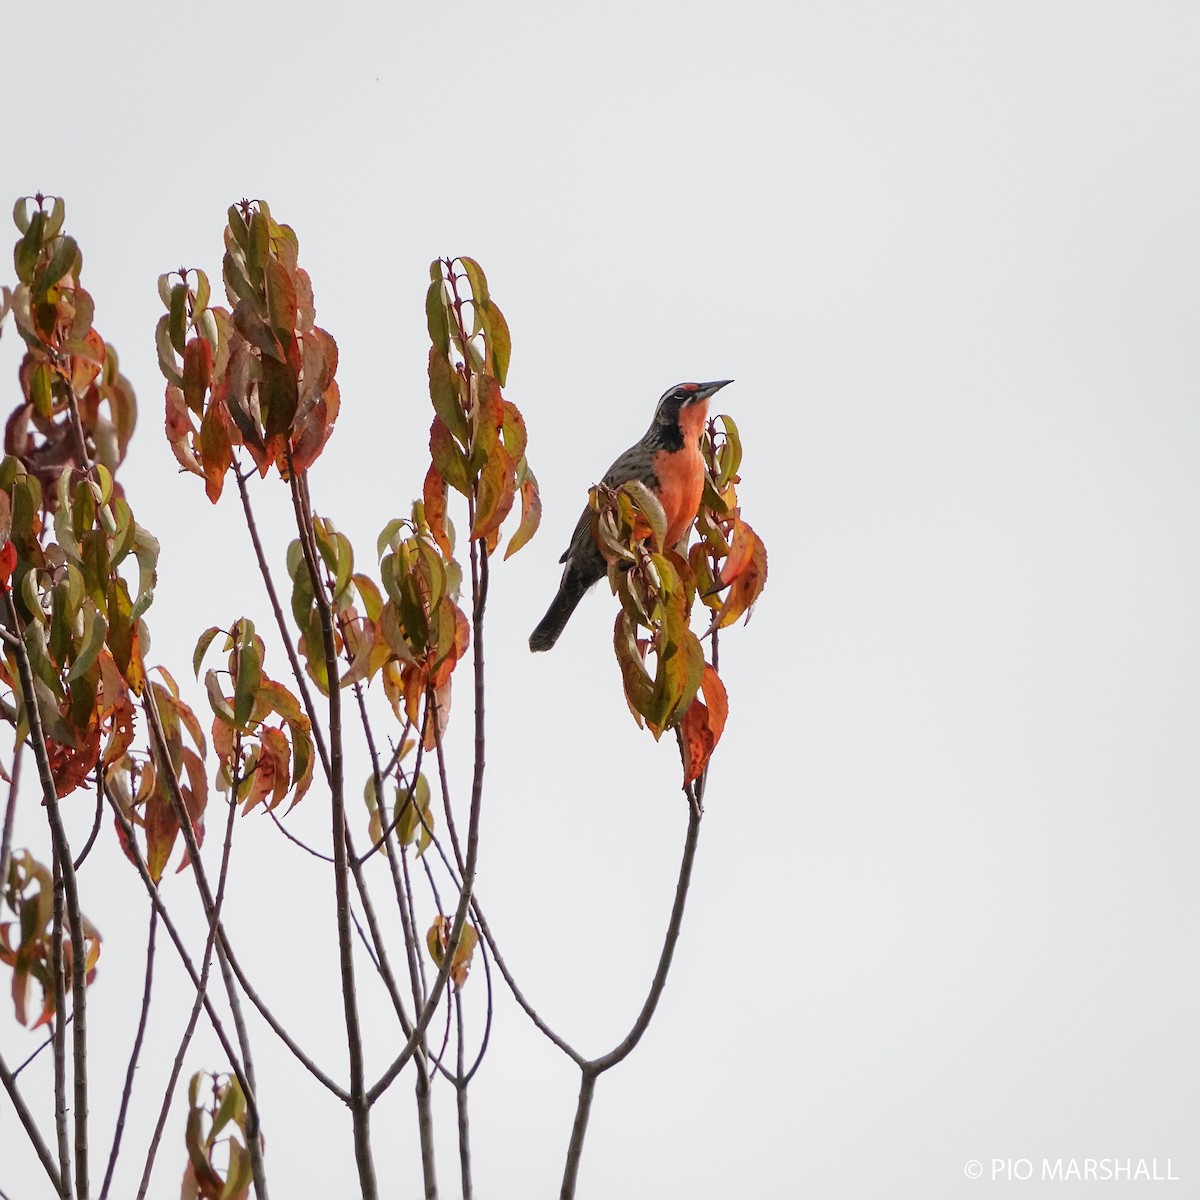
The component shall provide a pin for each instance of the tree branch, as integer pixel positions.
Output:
(359, 1106)
(127, 1090)
(31, 1129)
(592, 1069)
(70, 896)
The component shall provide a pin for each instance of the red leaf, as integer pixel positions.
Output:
(703, 724)
(197, 373)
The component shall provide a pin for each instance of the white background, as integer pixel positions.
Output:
(944, 905)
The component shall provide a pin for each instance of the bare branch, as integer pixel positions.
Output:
(127, 1090)
(10, 810)
(281, 624)
(31, 1130)
(87, 846)
(359, 1105)
(206, 898)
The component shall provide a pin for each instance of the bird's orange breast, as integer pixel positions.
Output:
(680, 473)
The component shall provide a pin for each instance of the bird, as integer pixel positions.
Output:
(668, 461)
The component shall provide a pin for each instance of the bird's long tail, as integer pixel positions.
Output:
(570, 592)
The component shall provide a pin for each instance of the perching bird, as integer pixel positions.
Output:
(668, 461)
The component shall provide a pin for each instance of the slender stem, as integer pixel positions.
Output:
(282, 625)
(206, 899)
(425, 1130)
(487, 1021)
(30, 1057)
(479, 592)
(518, 995)
(623, 1048)
(91, 841)
(460, 1091)
(134, 852)
(31, 1130)
(127, 1090)
(74, 913)
(10, 810)
(360, 1109)
(61, 1126)
(210, 942)
(583, 1111)
(595, 1067)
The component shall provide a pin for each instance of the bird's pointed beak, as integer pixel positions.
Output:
(707, 389)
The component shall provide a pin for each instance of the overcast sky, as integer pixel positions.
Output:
(944, 905)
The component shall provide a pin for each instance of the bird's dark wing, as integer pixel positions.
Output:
(635, 463)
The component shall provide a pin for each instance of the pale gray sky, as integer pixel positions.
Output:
(944, 907)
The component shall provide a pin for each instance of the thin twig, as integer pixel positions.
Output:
(127, 1090)
(74, 913)
(291, 837)
(87, 846)
(210, 941)
(60, 1031)
(360, 1109)
(30, 1058)
(460, 1092)
(479, 592)
(284, 633)
(31, 1130)
(10, 810)
(487, 1021)
(135, 854)
(519, 996)
(206, 898)
(592, 1069)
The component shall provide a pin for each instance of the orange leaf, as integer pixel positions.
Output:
(434, 493)
(741, 552)
(703, 724)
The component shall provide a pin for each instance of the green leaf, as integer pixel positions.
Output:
(58, 214)
(258, 247)
(41, 390)
(443, 391)
(95, 631)
(238, 288)
(435, 317)
(477, 279)
(126, 532)
(499, 342)
(388, 533)
(177, 317)
(730, 456)
(25, 254)
(216, 700)
(146, 549)
(237, 226)
(249, 676)
(20, 213)
(372, 600)
(281, 300)
(166, 352)
(651, 508)
(202, 644)
(203, 292)
(62, 259)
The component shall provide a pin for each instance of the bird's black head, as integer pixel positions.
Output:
(680, 396)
